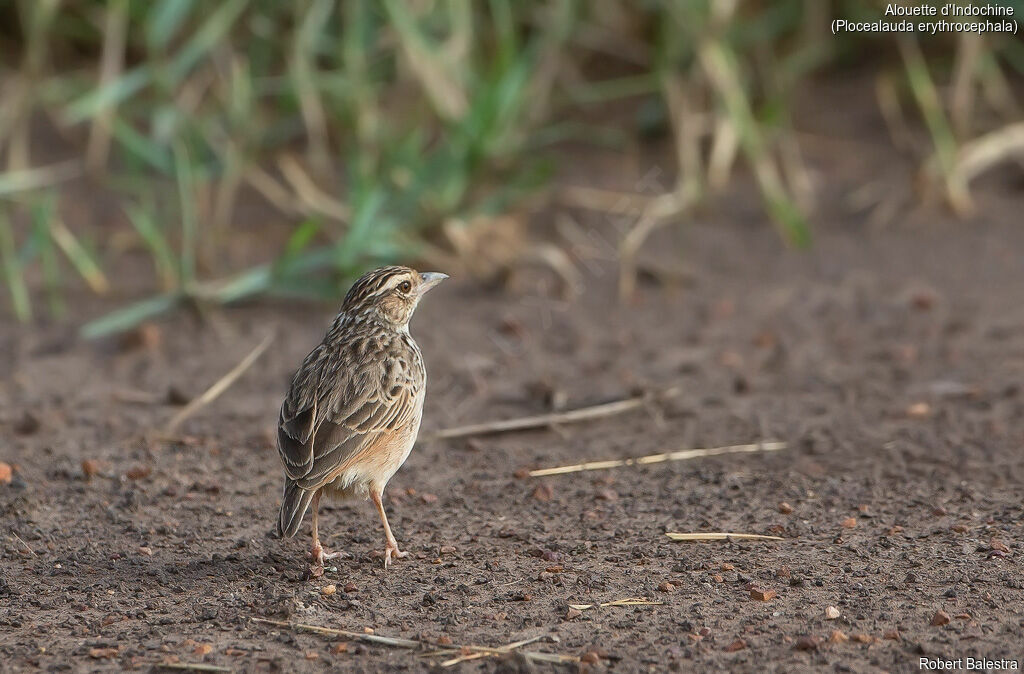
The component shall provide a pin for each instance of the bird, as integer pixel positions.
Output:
(353, 408)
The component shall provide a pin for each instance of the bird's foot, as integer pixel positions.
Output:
(392, 551)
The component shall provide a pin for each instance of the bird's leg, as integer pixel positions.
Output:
(392, 548)
(318, 554)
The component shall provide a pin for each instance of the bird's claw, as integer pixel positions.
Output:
(392, 550)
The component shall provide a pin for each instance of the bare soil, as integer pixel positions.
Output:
(889, 358)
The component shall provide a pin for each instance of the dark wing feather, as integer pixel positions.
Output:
(337, 405)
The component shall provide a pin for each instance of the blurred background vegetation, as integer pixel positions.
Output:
(389, 130)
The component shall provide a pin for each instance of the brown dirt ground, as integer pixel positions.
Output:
(889, 358)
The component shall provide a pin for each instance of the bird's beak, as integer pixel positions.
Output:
(430, 279)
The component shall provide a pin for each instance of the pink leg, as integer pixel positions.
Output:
(318, 553)
(392, 548)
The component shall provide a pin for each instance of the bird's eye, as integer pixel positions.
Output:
(405, 286)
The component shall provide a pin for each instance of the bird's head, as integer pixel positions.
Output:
(389, 294)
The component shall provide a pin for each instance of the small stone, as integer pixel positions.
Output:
(919, 410)
(428, 498)
(447, 550)
(543, 493)
(28, 424)
(90, 467)
(339, 648)
(761, 594)
(444, 640)
(6, 473)
(806, 644)
(892, 635)
(328, 590)
(138, 472)
(726, 566)
(785, 508)
(350, 587)
(103, 653)
(849, 523)
(202, 649)
(831, 613)
(737, 645)
(998, 545)
(573, 613)
(940, 618)
(590, 658)
(312, 655)
(838, 637)
(718, 578)
(146, 550)
(864, 638)
(607, 495)
(666, 587)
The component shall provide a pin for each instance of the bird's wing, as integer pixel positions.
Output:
(337, 407)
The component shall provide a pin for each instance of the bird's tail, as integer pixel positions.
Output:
(293, 508)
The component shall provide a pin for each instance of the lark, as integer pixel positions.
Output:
(354, 406)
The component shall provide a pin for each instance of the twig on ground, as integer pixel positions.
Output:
(459, 651)
(192, 667)
(628, 601)
(484, 652)
(22, 541)
(681, 455)
(221, 385)
(331, 632)
(720, 536)
(543, 420)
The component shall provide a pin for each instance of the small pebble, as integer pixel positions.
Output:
(831, 613)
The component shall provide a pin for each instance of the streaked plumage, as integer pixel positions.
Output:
(353, 409)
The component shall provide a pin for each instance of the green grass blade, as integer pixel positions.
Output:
(163, 21)
(128, 317)
(13, 271)
(149, 231)
(186, 197)
(205, 38)
(108, 96)
(42, 215)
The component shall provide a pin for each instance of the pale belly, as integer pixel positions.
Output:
(372, 469)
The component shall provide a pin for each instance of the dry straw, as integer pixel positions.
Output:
(681, 455)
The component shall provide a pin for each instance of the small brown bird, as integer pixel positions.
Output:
(353, 408)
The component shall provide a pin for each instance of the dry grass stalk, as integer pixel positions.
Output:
(309, 193)
(982, 153)
(115, 29)
(192, 667)
(484, 652)
(218, 387)
(720, 536)
(545, 420)
(680, 455)
(480, 651)
(628, 601)
(604, 201)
